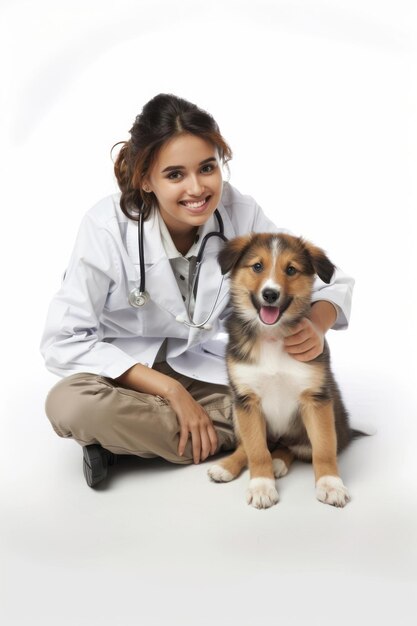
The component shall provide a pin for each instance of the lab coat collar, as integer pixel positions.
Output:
(153, 246)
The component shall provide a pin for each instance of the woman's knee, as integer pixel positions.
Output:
(69, 402)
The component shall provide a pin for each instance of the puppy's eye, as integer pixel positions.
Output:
(290, 271)
(258, 267)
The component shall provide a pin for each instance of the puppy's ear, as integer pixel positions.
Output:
(232, 251)
(322, 265)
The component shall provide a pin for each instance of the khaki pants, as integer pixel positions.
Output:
(94, 409)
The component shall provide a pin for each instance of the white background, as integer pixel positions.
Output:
(319, 103)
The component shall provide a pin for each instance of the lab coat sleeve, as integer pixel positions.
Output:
(338, 291)
(71, 341)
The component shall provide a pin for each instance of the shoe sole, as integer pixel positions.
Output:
(94, 465)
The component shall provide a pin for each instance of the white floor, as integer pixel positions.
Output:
(161, 544)
(318, 101)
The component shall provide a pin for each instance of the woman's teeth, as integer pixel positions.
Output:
(194, 205)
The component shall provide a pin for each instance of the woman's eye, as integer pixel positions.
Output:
(206, 169)
(258, 267)
(290, 271)
(175, 175)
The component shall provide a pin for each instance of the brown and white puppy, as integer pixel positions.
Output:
(290, 407)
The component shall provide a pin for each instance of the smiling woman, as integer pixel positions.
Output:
(147, 380)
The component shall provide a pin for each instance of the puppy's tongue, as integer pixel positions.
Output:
(269, 314)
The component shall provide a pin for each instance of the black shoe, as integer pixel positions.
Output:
(95, 463)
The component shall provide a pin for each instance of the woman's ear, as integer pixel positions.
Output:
(146, 186)
(232, 251)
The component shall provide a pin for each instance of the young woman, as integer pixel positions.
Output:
(137, 337)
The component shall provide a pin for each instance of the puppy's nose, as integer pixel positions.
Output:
(270, 295)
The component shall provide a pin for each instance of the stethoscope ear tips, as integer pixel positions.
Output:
(138, 298)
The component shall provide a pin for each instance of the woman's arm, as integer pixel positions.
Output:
(147, 380)
(71, 340)
(191, 416)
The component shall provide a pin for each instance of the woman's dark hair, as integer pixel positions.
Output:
(162, 118)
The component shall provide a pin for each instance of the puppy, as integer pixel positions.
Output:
(290, 407)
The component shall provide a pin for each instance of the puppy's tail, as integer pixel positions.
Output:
(355, 433)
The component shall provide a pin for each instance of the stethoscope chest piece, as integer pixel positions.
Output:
(138, 298)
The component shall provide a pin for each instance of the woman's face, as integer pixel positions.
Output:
(187, 181)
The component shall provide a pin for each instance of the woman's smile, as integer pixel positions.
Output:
(195, 206)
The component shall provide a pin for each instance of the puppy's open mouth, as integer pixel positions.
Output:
(271, 314)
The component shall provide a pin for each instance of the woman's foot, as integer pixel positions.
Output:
(95, 463)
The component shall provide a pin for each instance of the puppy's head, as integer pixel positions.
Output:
(272, 276)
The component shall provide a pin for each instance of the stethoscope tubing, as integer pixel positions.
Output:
(199, 259)
(141, 254)
(139, 297)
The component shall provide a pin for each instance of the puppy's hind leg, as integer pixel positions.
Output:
(281, 461)
(229, 468)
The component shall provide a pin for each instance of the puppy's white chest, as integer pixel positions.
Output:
(278, 380)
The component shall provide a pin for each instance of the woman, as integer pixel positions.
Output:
(144, 373)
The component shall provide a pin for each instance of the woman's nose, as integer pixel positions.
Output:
(195, 186)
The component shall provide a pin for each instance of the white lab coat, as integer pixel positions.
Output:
(92, 328)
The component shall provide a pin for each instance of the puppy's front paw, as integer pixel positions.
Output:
(219, 474)
(262, 493)
(331, 490)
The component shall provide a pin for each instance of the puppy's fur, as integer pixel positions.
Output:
(290, 407)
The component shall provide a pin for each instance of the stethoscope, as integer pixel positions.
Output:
(138, 297)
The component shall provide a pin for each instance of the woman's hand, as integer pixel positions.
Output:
(307, 338)
(193, 419)
(306, 341)
(191, 415)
